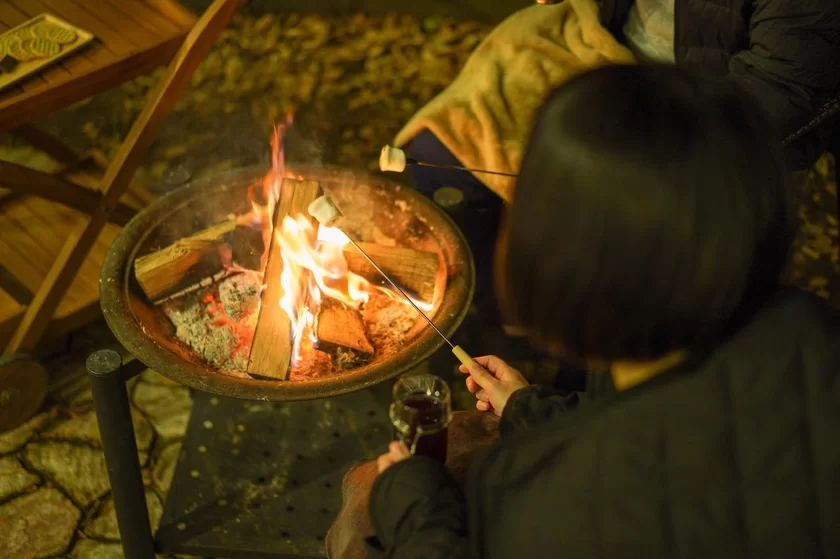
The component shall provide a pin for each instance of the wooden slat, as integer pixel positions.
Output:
(40, 240)
(11, 16)
(27, 260)
(25, 266)
(118, 176)
(142, 14)
(47, 231)
(31, 235)
(135, 34)
(30, 182)
(32, 105)
(173, 11)
(48, 214)
(112, 39)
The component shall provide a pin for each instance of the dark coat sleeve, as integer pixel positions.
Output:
(418, 511)
(792, 64)
(536, 404)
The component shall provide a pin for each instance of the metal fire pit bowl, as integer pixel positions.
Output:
(394, 208)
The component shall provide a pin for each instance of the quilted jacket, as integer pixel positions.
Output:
(733, 454)
(785, 52)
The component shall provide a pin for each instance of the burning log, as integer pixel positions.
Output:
(341, 326)
(188, 261)
(414, 270)
(271, 349)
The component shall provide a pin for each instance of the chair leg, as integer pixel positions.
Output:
(140, 194)
(47, 143)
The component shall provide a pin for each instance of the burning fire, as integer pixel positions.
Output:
(314, 266)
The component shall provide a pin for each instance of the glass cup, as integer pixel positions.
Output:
(420, 414)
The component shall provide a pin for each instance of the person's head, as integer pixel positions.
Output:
(650, 212)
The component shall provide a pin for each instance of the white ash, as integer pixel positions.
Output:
(240, 294)
(204, 321)
(395, 319)
(194, 327)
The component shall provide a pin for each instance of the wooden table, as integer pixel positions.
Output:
(133, 37)
(38, 212)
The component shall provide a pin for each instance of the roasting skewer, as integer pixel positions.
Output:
(394, 159)
(327, 213)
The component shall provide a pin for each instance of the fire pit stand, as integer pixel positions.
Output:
(261, 464)
(254, 479)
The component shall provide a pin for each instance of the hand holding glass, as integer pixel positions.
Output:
(420, 414)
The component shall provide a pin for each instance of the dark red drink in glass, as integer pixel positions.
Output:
(420, 415)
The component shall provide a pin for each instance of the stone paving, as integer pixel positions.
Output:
(354, 81)
(53, 481)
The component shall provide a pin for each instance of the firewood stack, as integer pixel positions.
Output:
(230, 247)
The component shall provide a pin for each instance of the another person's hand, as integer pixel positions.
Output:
(492, 381)
(397, 452)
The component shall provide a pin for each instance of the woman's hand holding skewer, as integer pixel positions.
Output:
(492, 381)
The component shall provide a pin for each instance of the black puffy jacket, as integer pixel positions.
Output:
(735, 453)
(785, 52)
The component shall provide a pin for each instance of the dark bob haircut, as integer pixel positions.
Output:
(650, 212)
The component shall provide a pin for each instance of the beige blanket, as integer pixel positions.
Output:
(485, 116)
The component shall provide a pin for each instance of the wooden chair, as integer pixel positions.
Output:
(56, 228)
(69, 210)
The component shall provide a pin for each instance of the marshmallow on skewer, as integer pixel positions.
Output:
(325, 211)
(392, 159)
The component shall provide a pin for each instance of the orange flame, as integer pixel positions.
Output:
(314, 266)
(264, 202)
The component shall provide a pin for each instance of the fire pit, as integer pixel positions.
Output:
(378, 211)
(200, 290)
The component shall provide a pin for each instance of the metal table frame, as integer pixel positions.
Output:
(270, 496)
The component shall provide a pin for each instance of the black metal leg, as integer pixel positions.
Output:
(113, 413)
